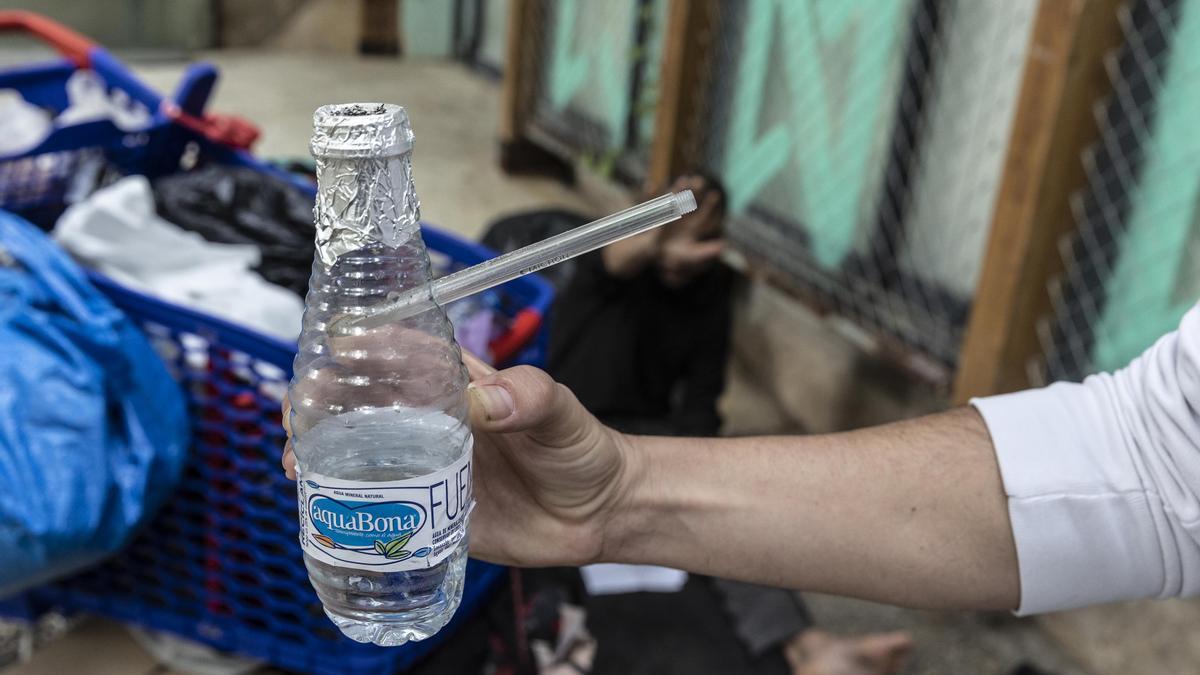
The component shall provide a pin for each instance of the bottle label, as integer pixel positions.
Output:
(389, 526)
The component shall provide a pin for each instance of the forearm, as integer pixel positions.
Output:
(627, 258)
(912, 513)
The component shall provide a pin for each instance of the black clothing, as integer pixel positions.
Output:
(641, 356)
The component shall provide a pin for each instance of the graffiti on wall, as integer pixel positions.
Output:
(813, 157)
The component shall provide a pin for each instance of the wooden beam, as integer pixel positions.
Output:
(380, 28)
(682, 88)
(1064, 77)
(523, 51)
(516, 88)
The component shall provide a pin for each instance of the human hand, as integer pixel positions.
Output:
(689, 245)
(548, 477)
(680, 249)
(816, 652)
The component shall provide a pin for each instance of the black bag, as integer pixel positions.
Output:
(522, 229)
(232, 205)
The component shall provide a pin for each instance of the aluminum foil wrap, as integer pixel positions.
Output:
(365, 191)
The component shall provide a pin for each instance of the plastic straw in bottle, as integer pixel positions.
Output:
(529, 259)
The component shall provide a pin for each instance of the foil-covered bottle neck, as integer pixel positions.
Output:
(352, 130)
(365, 191)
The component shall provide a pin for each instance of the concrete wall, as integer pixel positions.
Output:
(310, 25)
(251, 24)
(323, 26)
(793, 371)
(180, 24)
(495, 33)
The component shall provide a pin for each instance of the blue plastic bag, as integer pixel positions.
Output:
(93, 430)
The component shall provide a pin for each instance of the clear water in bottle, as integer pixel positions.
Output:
(378, 415)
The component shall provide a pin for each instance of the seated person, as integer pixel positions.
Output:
(640, 333)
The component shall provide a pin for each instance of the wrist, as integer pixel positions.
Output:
(651, 507)
(669, 490)
(622, 521)
(627, 258)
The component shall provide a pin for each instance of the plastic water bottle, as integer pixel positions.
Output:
(382, 447)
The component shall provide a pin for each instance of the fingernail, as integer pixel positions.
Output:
(496, 401)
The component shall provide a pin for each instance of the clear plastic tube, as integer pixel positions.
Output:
(633, 220)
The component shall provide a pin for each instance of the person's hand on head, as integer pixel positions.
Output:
(547, 474)
(689, 245)
(679, 250)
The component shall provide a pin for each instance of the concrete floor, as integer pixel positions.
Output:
(951, 643)
(454, 114)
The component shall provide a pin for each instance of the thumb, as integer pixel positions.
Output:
(527, 399)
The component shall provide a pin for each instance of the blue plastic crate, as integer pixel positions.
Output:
(220, 563)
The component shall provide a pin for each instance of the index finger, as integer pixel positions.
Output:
(475, 366)
(287, 414)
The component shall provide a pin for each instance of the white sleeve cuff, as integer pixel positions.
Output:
(1084, 525)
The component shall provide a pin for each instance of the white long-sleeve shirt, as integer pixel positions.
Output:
(1103, 479)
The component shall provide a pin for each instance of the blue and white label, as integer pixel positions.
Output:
(386, 527)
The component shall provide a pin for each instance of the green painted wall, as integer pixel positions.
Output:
(1156, 277)
(588, 62)
(814, 91)
(178, 24)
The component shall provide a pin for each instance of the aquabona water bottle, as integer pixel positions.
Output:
(382, 447)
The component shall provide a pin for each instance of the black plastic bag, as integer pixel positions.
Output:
(232, 205)
(529, 227)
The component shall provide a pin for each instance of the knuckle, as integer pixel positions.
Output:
(535, 388)
(533, 380)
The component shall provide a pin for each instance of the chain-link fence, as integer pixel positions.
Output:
(1132, 265)
(861, 144)
(596, 81)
